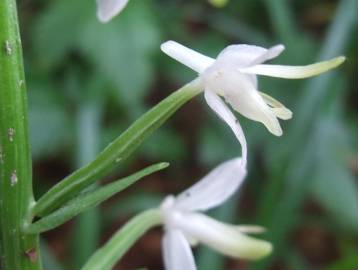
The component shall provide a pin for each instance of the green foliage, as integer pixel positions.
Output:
(88, 200)
(72, 59)
(116, 151)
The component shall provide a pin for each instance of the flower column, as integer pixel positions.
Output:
(17, 250)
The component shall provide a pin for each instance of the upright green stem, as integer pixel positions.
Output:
(17, 250)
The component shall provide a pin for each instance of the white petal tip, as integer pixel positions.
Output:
(264, 250)
(107, 9)
(278, 48)
(274, 127)
(276, 131)
(282, 113)
(167, 46)
(102, 18)
(192, 59)
(339, 60)
(255, 249)
(295, 72)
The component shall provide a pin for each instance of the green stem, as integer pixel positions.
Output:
(18, 251)
(117, 151)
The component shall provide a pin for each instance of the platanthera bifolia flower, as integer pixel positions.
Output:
(107, 9)
(232, 75)
(184, 225)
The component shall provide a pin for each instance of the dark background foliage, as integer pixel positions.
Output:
(87, 82)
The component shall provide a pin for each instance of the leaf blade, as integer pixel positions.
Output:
(116, 151)
(89, 200)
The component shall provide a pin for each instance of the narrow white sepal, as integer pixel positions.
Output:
(214, 188)
(224, 238)
(220, 108)
(271, 53)
(176, 251)
(192, 59)
(107, 9)
(294, 72)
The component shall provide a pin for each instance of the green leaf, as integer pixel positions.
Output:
(89, 200)
(116, 151)
(334, 185)
(107, 256)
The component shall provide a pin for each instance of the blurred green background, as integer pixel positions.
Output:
(87, 82)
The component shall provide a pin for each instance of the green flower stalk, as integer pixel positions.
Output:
(18, 251)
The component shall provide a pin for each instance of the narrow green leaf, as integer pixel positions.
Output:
(107, 256)
(89, 200)
(117, 151)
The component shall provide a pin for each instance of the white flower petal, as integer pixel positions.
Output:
(214, 188)
(224, 238)
(107, 9)
(239, 91)
(177, 253)
(294, 72)
(277, 107)
(220, 108)
(271, 53)
(241, 55)
(186, 56)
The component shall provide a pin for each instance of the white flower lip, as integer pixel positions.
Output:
(224, 238)
(232, 75)
(107, 9)
(185, 226)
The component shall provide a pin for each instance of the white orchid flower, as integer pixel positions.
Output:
(232, 75)
(107, 9)
(185, 225)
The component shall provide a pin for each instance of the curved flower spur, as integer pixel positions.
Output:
(107, 9)
(232, 75)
